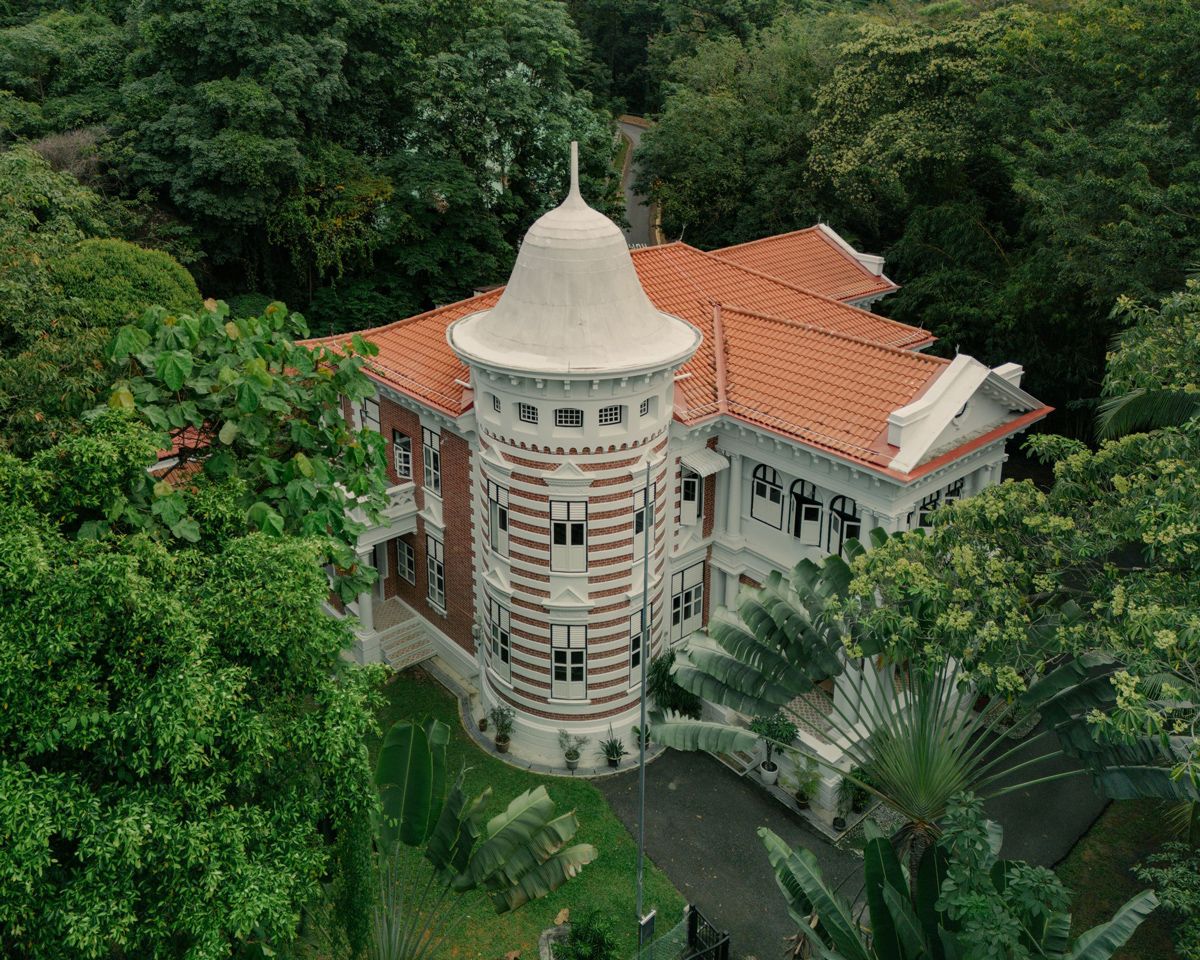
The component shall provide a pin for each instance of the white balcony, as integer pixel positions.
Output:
(397, 518)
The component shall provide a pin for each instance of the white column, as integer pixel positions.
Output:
(366, 610)
(733, 501)
(731, 590)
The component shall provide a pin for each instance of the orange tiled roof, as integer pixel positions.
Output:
(809, 258)
(796, 362)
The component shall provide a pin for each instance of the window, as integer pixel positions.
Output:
(638, 641)
(954, 491)
(766, 497)
(527, 412)
(691, 498)
(642, 518)
(568, 417)
(401, 455)
(568, 650)
(568, 536)
(368, 414)
(687, 601)
(495, 403)
(498, 518)
(924, 512)
(644, 409)
(806, 513)
(610, 415)
(844, 523)
(379, 560)
(431, 453)
(435, 567)
(406, 560)
(499, 643)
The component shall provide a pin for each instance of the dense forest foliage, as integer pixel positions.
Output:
(1021, 166)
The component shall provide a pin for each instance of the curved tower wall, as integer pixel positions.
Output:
(596, 470)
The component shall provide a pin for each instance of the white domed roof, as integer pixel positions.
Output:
(574, 304)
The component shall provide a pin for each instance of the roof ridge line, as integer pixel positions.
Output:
(806, 291)
(937, 361)
(424, 315)
(774, 236)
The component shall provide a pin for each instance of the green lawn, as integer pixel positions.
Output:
(1097, 871)
(607, 883)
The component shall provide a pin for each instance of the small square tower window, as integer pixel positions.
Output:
(495, 403)
(644, 409)
(568, 417)
(527, 412)
(610, 415)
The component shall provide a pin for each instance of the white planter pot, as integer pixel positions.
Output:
(769, 775)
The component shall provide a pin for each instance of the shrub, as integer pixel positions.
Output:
(1175, 873)
(591, 938)
(669, 695)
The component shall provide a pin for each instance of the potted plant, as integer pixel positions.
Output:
(613, 749)
(851, 798)
(802, 783)
(570, 744)
(502, 717)
(774, 730)
(637, 737)
(483, 724)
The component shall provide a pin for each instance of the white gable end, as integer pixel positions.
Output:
(967, 400)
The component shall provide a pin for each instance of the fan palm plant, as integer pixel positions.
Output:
(1141, 409)
(911, 729)
(518, 855)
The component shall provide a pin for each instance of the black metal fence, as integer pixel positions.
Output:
(704, 941)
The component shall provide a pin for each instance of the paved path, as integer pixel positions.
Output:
(702, 818)
(640, 230)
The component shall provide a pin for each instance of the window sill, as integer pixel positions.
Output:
(435, 607)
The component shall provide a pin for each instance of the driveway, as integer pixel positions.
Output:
(701, 823)
(640, 231)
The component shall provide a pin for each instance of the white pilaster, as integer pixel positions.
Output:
(733, 503)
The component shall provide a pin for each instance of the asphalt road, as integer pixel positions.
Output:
(639, 231)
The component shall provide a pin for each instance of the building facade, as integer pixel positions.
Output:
(663, 426)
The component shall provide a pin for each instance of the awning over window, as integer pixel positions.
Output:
(704, 462)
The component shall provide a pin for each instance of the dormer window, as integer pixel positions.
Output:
(527, 412)
(610, 415)
(766, 497)
(568, 417)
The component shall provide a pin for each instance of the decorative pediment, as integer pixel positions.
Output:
(569, 475)
(570, 597)
(494, 463)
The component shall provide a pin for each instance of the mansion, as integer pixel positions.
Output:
(660, 425)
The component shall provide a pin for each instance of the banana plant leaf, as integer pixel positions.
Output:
(881, 870)
(537, 849)
(910, 940)
(458, 828)
(506, 832)
(545, 877)
(411, 776)
(701, 735)
(1102, 941)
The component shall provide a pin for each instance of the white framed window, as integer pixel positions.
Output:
(844, 523)
(527, 412)
(406, 560)
(610, 415)
(379, 560)
(806, 513)
(691, 498)
(431, 455)
(639, 642)
(568, 651)
(954, 491)
(923, 515)
(367, 414)
(766, 496)
(644, 409)
(495, 403)
(499, 639)
(687, 601)
(568, 535)
(435, 568)
(498, 518)
(401, 455)
(643, 518)
(568, 417)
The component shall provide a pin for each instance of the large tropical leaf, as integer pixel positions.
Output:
(910, 937)
(545, 877)
(411, 776)
(701, 735)
(458, 828)
(539, 848)
(1141, 410)
(1102, 941)
(881, 870)
(507, 832)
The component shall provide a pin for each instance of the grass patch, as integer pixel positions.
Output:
(1098, 872)
(608, 883)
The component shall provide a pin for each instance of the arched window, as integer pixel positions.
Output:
(766, 497)
(844, 523)
(922, 516)
(806, 513)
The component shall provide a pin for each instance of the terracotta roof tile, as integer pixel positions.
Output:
(810, 259)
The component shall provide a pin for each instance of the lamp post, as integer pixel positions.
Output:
(648, 508)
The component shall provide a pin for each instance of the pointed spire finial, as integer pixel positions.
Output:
(573, 193)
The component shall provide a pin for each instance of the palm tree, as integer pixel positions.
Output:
(518, 855)
(935, 914)
(1140, 409)
(909, 733)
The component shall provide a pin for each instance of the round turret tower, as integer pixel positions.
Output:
(573, 376)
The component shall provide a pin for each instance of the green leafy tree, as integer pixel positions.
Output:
(1175, 872)
(181, 736)
(962, 901)
(243, 403)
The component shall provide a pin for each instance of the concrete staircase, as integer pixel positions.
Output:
(406, 642)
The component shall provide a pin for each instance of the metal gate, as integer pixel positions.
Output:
(693, 938)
